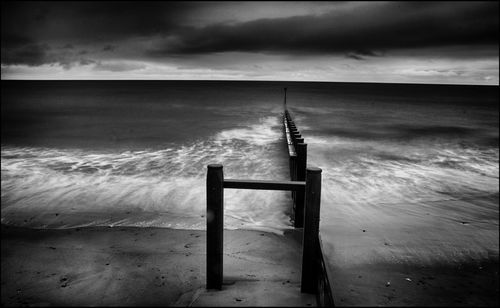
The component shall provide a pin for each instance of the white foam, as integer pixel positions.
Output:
(263, 133)
(427, 202)
(168, 183)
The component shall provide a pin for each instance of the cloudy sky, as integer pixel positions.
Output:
(409, 42)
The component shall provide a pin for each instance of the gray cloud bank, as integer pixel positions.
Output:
(32, 33)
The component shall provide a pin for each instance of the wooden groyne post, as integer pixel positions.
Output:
(215, 225)
(301, 176)
(284, 101)
(311, 231)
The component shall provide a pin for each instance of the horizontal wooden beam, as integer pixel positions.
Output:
(264, 185)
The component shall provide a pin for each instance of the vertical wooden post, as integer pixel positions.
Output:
(296, 135)
(296, 166)
(215, 224)
(285, 98)
(293, 132)
(292, 160)
(310, 240)
(301, 176)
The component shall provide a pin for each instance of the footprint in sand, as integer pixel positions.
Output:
(64, 282)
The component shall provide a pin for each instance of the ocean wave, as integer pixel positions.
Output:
(406, 202)
(43, 182)
(364, 178)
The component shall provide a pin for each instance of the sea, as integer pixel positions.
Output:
(410, 172)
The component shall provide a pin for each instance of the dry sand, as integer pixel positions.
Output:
(124, 266)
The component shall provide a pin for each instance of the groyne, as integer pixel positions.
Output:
(305, 188)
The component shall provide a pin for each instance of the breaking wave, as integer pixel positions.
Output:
(56, 188)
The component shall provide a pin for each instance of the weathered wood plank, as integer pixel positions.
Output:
(264, 185)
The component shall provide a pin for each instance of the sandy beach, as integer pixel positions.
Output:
(127, 266)
(124, 266)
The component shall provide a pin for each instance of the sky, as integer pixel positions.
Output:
(403, 42)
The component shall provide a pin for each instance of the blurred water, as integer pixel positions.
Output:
(414, 166)
(409, 175)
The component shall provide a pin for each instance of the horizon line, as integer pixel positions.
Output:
(254, 80)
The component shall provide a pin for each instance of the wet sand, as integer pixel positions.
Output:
(385, 284)
(126, 266)
(385, 267)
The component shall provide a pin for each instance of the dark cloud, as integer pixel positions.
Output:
(34, 54)
(354, 56)
(357, 31)
(30, 54)
(118, 66)
(362, 54)
(90, 21)
(394, 25)
(14, 40)
(109, 48)
(85, 61)
(28, 25)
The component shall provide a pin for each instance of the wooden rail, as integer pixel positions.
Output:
(265, 185)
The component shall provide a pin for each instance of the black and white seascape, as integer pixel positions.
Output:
(111, 112)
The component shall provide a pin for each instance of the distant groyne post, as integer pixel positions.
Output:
(284, 102)
(215, 225)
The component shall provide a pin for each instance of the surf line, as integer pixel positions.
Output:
(305, 187)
